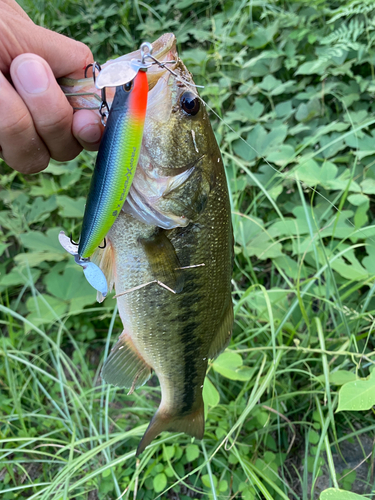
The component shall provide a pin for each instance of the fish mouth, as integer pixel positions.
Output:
(163, 49)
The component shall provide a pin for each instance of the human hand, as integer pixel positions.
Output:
(37, 122)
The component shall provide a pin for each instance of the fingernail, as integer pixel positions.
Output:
(91, 133)
(33, 77)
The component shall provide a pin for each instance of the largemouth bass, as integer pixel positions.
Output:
(169, 256)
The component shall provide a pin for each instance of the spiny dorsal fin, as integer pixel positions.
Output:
(222, 338)
(163, 260)
(104, 259)
(125, 367)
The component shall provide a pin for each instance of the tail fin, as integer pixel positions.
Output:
(192, 424)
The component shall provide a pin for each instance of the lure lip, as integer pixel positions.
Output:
(119, 73)
(92, 272)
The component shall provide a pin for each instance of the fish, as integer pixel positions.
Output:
(169, 256)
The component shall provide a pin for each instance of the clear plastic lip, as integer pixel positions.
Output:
(119, 73)
(92, 272)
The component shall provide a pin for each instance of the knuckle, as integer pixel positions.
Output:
(56, 122)
(19, 124)
(36, 166)
(30, 165)
(68, 153)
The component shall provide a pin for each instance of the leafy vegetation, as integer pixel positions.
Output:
(289, 405)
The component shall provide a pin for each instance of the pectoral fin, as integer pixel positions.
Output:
(125, 366)
(163, 260)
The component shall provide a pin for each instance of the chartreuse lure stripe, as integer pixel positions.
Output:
(115, 164)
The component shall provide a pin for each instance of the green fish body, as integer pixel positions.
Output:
(169, 255)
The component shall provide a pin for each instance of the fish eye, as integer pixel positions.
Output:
(128, 86)
(190, 103)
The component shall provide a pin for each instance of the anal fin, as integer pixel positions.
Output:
(163, 260)
(124, 366)
(223, 335)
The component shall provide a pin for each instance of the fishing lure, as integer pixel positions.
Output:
(115, 164)
(116, 160)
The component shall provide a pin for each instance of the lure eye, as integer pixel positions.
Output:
(128, 86)
(190, 103)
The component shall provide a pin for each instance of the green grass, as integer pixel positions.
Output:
(291, 90)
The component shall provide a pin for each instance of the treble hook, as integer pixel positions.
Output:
(95, 66)
(105, 244)
(71, 240)
(104, 108)
(77, 244)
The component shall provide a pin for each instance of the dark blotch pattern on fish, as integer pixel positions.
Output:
(191, 344)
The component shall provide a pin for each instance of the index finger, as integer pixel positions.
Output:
(20, 35)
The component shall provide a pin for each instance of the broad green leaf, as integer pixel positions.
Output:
(284, 108)
(211, 396)
(363, 203)
(281, 156)
(206, 480)
(265, 246)
(45, 309)
(316, 66)
(192, 452)
(307, 112)
(160, 482)
(368, 186)
(262, 35)
(36, 240)
(18, 276)
(336, 494)
(245, 111)
(369, 262)
(48, 186)
(70, 285)
(358, 395)
(229, 364)
(339, 377)
(330, 146)
(40, 209)
(349, 267)
(223, 485)
(70, 207)
(3, 247)
(269, 83)
(274, 139)
(168, 452)
(33, 259)
(313, 437)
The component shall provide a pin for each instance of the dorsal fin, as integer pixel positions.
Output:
(125, 366)
(222, 338)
